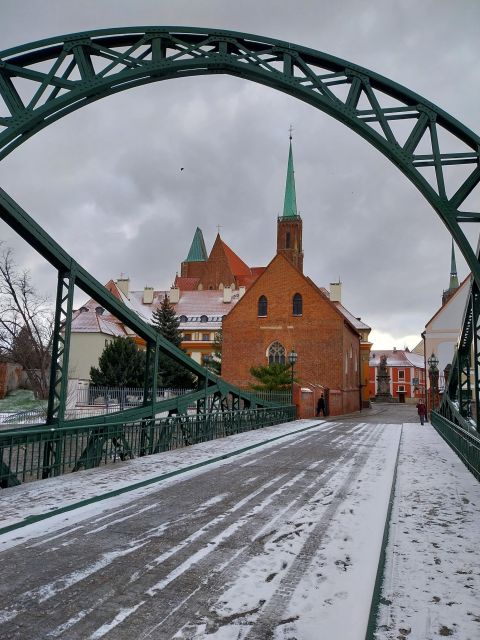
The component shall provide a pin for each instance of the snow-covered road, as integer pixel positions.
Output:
(281, 541)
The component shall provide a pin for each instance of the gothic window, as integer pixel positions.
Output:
(276, 353)
(287, 240)
(262, 306)
(297, 305)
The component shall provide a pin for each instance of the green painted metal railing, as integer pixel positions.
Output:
(466, 444)
(282, 397)
(35, 453)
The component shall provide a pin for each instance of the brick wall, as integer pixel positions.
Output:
(11, 377)
(326, 345)
(217, 269)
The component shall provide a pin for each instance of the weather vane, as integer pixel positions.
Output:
(290, 130)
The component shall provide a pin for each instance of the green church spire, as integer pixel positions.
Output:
(290, 201)
(198, 251)
(453, 271)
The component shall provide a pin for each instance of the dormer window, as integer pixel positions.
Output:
(203, 319)
(183, 318)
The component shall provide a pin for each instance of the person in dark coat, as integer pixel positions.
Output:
(422, 411)
(321, 406)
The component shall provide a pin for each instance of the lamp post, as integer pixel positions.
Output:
(433, 375)
(206, 361)
(292, 358)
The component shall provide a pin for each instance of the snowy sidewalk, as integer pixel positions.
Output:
(299, 561)
(432, 577)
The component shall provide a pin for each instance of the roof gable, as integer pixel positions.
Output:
(280, 260)
(236, 264)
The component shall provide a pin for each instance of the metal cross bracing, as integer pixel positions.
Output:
(43, 81)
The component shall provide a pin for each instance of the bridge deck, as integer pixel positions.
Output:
(279, 541)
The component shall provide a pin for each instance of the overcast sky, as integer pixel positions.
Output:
(106, 181)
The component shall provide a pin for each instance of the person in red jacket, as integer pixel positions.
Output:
(422, 411)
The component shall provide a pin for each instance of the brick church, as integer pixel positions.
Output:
(284, 309)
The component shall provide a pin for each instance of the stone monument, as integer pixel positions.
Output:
(383, 382)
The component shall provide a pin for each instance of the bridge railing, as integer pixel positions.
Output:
(465, 442)
(35, 453)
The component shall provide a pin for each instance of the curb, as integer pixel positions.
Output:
(377, 589)
(143, 483)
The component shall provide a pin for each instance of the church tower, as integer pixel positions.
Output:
(194, 263)
(453, 285)
(289, 225)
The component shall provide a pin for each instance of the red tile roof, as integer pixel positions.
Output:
(236, 264)
(187, 284)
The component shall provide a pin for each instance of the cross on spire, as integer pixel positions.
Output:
(290, 131)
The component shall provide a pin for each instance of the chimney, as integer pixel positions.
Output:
(241, 292)
(174, 295)
(147, 295)
(124, 285)
(336, 292)
(227, 294)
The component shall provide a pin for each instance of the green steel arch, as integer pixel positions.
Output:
(43, 81)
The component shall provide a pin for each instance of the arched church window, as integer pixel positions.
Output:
(297, 305)
(262, 306)
(276, 353)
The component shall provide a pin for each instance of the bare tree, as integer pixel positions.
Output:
(26, 324)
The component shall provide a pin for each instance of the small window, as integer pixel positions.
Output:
(262, 306)
(287, 240)
(183, 318)
(401, 374)
(297, 305)
(401, 388)
(205, 337)
(203, 319)
(276, 353)
(187, 336)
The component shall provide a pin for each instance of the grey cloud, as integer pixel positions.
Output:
(106, 181)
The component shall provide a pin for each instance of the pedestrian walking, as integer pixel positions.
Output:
(422, 411)
(321, 406)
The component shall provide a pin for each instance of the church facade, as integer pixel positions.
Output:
(283, 310)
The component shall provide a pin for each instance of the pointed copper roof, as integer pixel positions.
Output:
(198, 251)
(290, 200)
(453, 271)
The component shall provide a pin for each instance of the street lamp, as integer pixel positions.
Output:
(433, 375)
(292, 358)
(206, 360)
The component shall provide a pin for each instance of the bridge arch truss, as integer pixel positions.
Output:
(43, 81)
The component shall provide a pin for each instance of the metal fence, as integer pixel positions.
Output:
(121, 396)
(34, 453)
(281, 397)
(465, 443)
